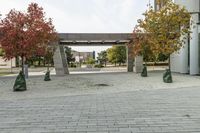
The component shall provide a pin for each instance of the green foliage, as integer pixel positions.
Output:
(151, 57)
(117, 54)
(162, 57)
(90, 61)
(35, 61)
(72, 65)
(38, 60)
(102, 57)
(1, 52)
(68, 52)
(49, 53)
(98, 66)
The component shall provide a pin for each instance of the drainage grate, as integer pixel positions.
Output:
(101, 85)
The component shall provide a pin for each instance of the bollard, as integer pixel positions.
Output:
(26, 71)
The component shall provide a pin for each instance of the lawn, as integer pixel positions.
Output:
(5, 73)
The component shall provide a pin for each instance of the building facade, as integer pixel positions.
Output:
(187, 60)
(7, 64)
(83, 56)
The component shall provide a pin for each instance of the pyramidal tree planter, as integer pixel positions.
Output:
(20, 82)
(167, 76)
(47, 76)
(144, 71)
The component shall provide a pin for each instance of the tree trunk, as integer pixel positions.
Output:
(22, 57)
(169, 63)
(44, 61)
(48, 65)
(39, 62)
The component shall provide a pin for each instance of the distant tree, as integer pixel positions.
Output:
(68, 52)
(49, 53)
(102, 57)
(112, 55)
(26, 34)
(117, 54)
(90, 61)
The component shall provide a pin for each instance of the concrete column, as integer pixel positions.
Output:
(130, 58)
(194, 47)
(60, 61)
(175, 62)
(183, 67)
(138, 64)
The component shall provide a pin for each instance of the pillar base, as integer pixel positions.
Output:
(138, 64)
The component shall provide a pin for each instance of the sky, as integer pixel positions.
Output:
(86, 16)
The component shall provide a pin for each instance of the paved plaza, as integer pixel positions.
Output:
(102, 103)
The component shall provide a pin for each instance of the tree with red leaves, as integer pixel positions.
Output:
(26, 34)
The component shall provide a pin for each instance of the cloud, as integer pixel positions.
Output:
(86, 16)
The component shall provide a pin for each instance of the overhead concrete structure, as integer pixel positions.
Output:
(94, 39)
(91, 39)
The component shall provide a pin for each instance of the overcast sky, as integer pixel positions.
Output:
(86, 16)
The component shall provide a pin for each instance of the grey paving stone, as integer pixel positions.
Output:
(159, 110)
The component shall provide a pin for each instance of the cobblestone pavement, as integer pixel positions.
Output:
(134, 106)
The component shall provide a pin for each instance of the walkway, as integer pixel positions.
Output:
(103, 103)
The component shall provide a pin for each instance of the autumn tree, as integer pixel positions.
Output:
(26, 34)
(90, 61)
(165, 27)
(141, 45)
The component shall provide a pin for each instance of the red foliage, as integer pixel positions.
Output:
(26, 34)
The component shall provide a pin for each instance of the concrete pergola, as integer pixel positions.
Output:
(93, 39)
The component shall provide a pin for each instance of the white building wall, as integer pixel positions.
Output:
(7, 64)
(190, 5)
(184, 58)
(194, 46)
(175, 62)
(180, 61)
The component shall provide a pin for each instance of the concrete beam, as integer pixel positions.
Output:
(93, 42)
(95, 36)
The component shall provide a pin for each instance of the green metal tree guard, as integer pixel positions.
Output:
(167, 76)
(144, 71)
(47, 76)
(20, 82)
